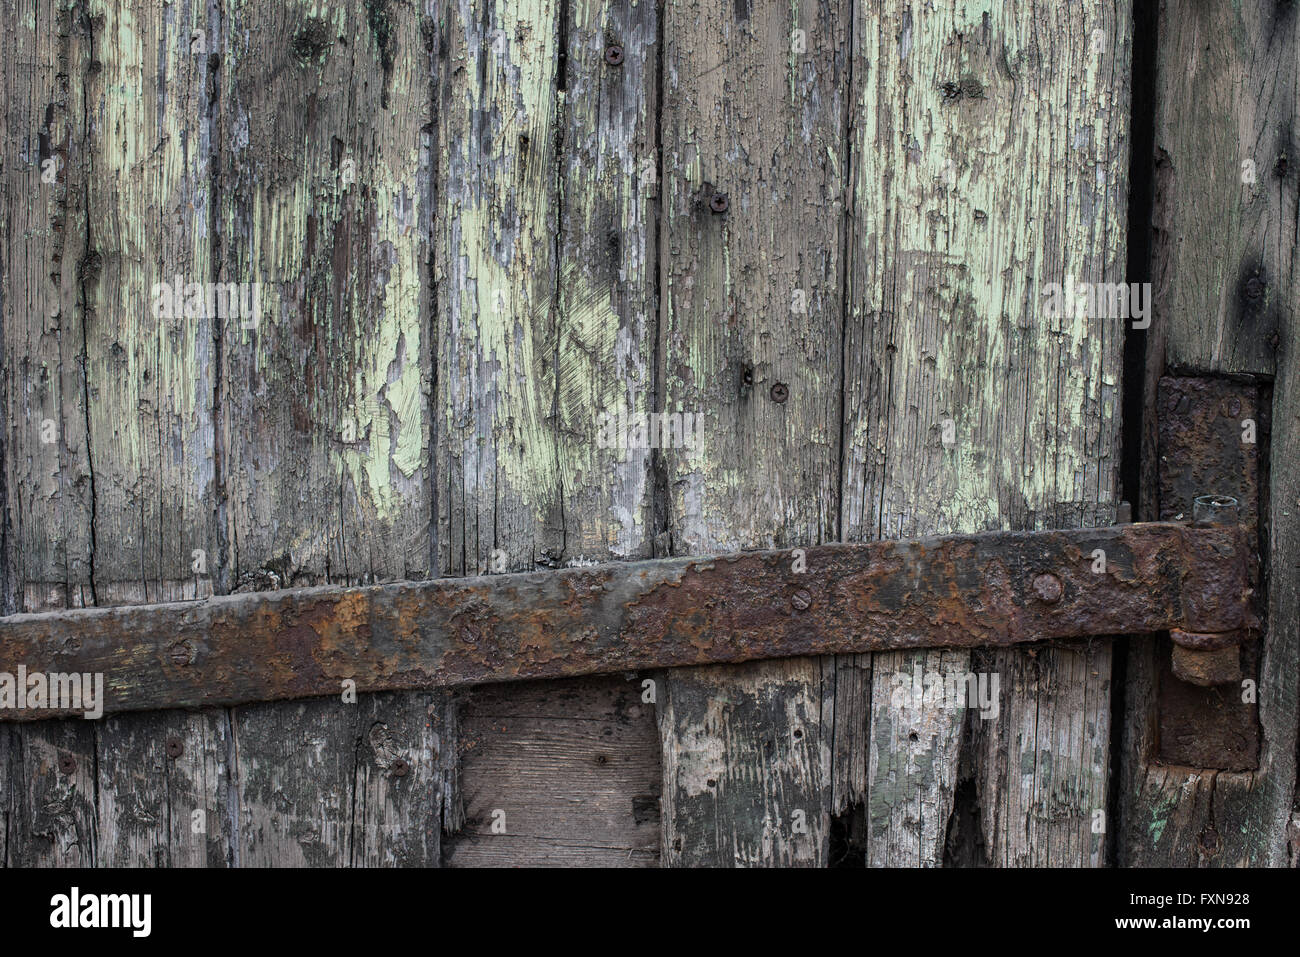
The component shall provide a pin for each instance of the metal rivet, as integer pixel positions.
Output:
(67, 763)
(182, 653)
(175, 748)
(400, 768)
(1048, 588)
(719, 203)
(801, 599)
(613, 54)
(780, 392)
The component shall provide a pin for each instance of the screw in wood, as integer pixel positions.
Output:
(801, 599)
(175, 748)
(613, 54)
(780, 392)
(67, 763)
(400, 768)
(719, 203)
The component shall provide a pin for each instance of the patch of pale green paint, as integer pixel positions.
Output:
(1160, 812)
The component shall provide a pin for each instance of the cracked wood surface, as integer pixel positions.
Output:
(989, 158)
(470, 242)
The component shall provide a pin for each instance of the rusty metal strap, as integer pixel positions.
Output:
(990, 589)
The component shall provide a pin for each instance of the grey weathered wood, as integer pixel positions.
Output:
(751, 297)
(48, 491)
(545, 273)
(570, 769)
(150, 387)
(1223, 265)
(966, 201)
(160, 810)
(324, 426)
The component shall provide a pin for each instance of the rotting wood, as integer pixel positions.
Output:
(963, 591)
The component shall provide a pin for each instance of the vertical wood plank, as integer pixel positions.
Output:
(150, 384)
(966, 407)
(325, 202)
(545, 259)
(754, 164)
(46, 52)
(1225, 211)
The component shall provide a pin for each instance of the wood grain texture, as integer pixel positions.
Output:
(163, 790)
(324, 201)
(568, 769)
(544, 266)
(966, 407)
(47, 536)
(751, 291)
(150, 386)
(1226, 207)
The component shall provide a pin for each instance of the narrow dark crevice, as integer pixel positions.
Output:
(87, 274)
(1141, 175)
(853, 853)
(554, 557)
(222, 572)
(433, 47)
(846, 286)
(660, 533)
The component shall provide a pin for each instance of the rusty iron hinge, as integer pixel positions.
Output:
(986, 590)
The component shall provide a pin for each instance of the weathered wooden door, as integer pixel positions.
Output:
(350, 292)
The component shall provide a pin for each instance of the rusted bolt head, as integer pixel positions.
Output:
(780, 392)
(1048, 587)
(400, 768)
(801, 599)
(182, 653)
(613, 54)
(175, 748)
(719, 203)
(67, 764)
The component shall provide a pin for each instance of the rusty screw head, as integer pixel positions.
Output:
(780, 392)
(613, 54)
(719, 203)
(1048, 588)
(67, 764)
(801, 599)
(175, 748)
(400, 768)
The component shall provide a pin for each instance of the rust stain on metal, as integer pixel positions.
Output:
(992, 589)
(1211, 430)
